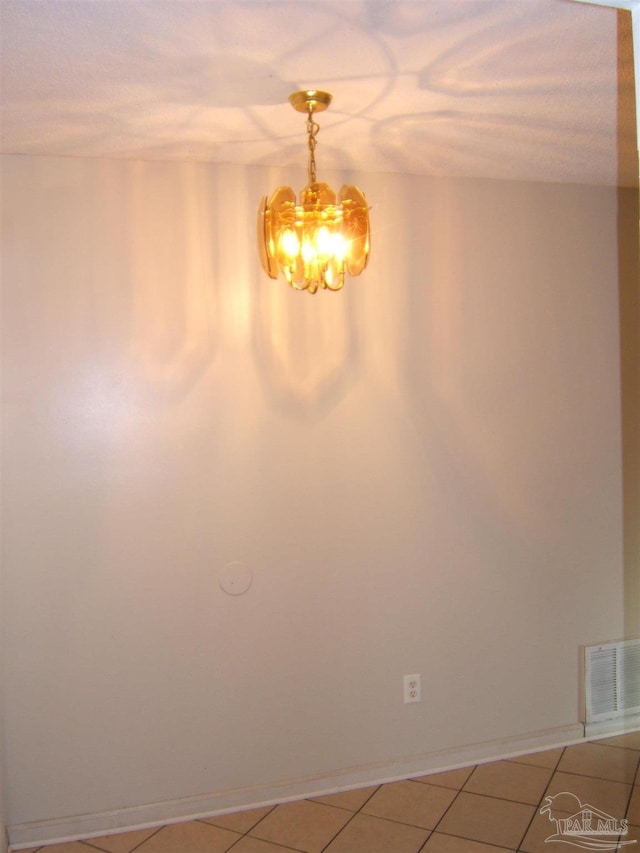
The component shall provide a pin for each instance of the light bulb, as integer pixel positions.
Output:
(290, 244)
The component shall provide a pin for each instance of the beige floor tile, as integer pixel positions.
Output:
(508, 780)
(630, 740)
(410, 802)
(304, 825)
(239, 821)
(367, 834)
(439, 843)
(633, 814)
(487, 819)
(601, 761)
(122, 842)
(611, 797)
(192, 837)
(540, 829)
(350, 800)
(547, 758)
(448, 778)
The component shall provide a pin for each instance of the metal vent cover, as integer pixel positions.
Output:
(611, 680)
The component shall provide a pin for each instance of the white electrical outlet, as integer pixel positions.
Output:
(412, 689)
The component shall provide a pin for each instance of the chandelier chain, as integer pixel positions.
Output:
(312, 129)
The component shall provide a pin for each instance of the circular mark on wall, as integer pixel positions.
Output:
(235, 578)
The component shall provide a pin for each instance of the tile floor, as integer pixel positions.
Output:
(489, 808)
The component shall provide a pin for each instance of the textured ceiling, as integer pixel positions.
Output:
(510, 89)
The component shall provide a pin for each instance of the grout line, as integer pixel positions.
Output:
(88, 843)
(471, 840)
(599, 778)
(616, 746)
(458, 792)
(263, 841)
(210, 821)
(426, 841)
(251, 828)
(333, 837)
(554, 770)
(358, 810)
(636, 778)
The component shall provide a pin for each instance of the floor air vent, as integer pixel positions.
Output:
(611, 681)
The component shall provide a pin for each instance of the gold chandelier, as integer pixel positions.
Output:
(313, 244)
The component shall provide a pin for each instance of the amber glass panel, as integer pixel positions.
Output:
(355, 227)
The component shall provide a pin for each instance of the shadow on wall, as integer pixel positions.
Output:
(174, 311)
(629, 284)
(465, 351)
(502, 386)
(306, 347)
(132, 319)
(159, 272)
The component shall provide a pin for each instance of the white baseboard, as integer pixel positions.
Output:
(618, 726)
(207, 805)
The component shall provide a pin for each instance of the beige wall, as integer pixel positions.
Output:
(423, 474)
